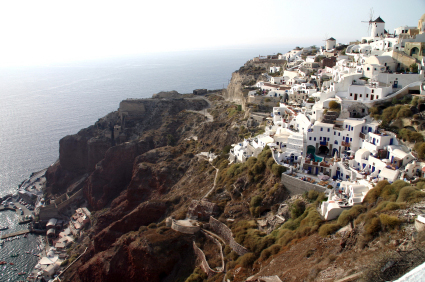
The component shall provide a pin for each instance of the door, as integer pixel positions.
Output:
(337, 174)
(355, 96)
(395, 84)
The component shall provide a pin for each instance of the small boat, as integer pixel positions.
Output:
(4, 228)
(22, 273)
(2, 262)
(28, 252)
(11, 263)
(14, 255)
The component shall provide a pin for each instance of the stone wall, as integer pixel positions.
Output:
(204, 264)
(297, 186)
(224, 232)
(72, 199)
(183, 228)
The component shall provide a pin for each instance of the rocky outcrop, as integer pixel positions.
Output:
(144, 214)
(113, 173)
(140, 256)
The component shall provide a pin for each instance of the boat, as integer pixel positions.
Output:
(14, 255)
(2, 262)
(11, 263)
(4, 228)
(28, 252)
(22, 273)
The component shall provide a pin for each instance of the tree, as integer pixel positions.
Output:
(414, 68)
(334, 105)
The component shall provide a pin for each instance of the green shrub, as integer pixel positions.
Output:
(328, 229)
(297, 209)
(372, 227)
(161, 229)
(247, 260)
(410, 194)
(152, 225)
(65, 262)
(197, 276)
(277, 170)
(389, 222)
(265, 254)
(334, 105)
(311, 195)
(350, 215)
(286, 237)
(375, 192)
(256, 201)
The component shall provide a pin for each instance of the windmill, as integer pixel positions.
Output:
(370, 21)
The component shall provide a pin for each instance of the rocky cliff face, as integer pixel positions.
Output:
(247, 75)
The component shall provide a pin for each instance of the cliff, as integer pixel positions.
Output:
(247, 75)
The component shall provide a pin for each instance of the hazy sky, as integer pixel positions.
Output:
(49, 31)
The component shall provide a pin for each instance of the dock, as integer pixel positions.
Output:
(13, 234)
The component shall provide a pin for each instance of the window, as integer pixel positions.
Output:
(320, 138)
(314, 138)
(339, 134)
(373, 90)
(346, 126)
(328, 138)
(309, 138)
(360, 95)
(368, 68)
(321, 129)
(277, 143)
(351, 139)
(336, 142)
(329, 130)
(367, 95)
(351, 94)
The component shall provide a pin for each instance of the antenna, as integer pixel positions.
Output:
(370, 21)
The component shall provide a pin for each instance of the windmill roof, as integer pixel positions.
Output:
(378, 20)
(331, 38)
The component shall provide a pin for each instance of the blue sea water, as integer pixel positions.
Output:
(41, 104)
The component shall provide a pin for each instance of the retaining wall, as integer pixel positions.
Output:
(224, 232)
(204, 264)
(296, 186)
(184, 228)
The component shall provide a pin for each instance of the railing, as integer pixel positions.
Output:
(362, 135)
(346, 144)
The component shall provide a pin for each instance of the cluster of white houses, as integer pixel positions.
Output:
(313, 138)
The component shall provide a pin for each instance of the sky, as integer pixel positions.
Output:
(38, 32)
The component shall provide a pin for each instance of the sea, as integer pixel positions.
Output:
(41, 104)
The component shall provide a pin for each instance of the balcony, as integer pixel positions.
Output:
(345, 144)
(362, 135)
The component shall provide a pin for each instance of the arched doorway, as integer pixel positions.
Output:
(323, 150)
(414, 52)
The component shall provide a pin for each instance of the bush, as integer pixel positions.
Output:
(152, 225)
(350, 215)
(277, 170)
(420, 149)
(311, 195)
(247, 260)
(389, 222)
(328, 229)
(256, 201)
(297, 209)
(334, 105)
(162, 229)
(375, 192)
(197, 276)
(410, 194)
(372, 227)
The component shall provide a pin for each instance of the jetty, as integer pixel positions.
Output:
(13, 234)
